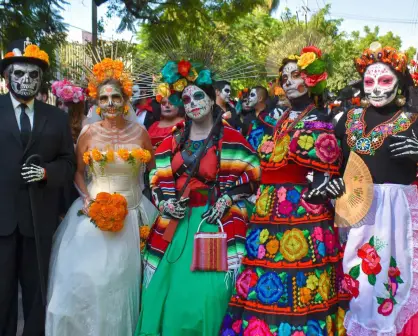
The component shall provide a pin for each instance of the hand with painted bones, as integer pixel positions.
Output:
(173, 208)
(405, 147)
(335, 188)
(218, 210)
(32, 173)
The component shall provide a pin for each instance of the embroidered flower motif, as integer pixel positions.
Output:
(386, 307)
(330, 326)
(264, 235)
(314, 329)
(281, 194)
(285, 329)
(321, 249)
(236, 326)
(305, 295)
(261, 252)
(245, 281)
(269, 288)
(267, 147)
(293, 196)
(340, 322)
(293, 245)
(252, 242)
(300, 279)
(327, 148)
(298, 333)
(306, 142)
(314, 209)
(329, 241)
(285, 208)
(351, 285)
(324, 285)
(272, 246)
(312, 282)
(318, 233)
(257, 327)
(363, 144)
(392, 286)
(370, 259)
(281, 149)
(394, 272)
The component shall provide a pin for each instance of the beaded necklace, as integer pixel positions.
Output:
(367, 143)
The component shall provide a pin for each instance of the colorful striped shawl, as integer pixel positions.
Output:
(239, 165)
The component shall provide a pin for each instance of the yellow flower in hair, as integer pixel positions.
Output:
(192, 77)
(180, 85)
(293, 57)
(306, 59)
(164, 90)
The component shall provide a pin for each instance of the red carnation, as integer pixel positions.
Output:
(313, 49)
(183, 68)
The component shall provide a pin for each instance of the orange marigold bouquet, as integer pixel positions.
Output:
(144, 231)
(108, 211)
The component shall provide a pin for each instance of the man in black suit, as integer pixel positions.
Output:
(28, 127)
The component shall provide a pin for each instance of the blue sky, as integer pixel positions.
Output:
(401, 19)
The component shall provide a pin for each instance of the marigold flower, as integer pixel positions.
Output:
(86, 158)
(144, 232)
(9, 54)
(110, 155)
(96, 155)
(123, 154)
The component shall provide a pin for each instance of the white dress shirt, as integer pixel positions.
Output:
(29, 110)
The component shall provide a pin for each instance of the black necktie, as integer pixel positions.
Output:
(25, 128)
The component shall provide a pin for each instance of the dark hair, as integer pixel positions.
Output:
(75, 113)
(44, 90)
(262, 91)
(219, 85)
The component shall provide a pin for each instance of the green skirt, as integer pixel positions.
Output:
(179, 302)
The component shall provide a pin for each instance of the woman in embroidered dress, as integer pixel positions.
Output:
(95, 276)
(380, 261)
(170, 116)
(175, 300)
(289, 281)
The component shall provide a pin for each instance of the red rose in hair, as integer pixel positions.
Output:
(313, 49)
(184, 68)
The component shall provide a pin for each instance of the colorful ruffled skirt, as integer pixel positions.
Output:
(381, 265)
(290, 280)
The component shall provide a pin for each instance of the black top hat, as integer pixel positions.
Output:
(18, 48)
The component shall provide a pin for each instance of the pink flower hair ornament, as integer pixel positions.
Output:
(68, 92)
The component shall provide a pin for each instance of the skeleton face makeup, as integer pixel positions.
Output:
(168, 110)
(252, 98)
(197, 103)
(380, 84)
(25, 80)
(292, 82)
(61, 105)
(111, 101)
(225, 94)
(136, 93)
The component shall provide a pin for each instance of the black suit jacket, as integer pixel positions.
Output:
(51, 139)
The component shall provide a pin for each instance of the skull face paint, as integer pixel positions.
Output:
(197, 103)
(292, 82)
(380, 84)
(61, 105)
(25, 80)
(111, 101)
(252, 98)
(226, 93)
(136, 93)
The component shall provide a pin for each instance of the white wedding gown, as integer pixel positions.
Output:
(95, 276)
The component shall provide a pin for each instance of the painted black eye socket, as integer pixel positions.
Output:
(186, 100)
(199, 95)
(227, 90)
(34, 74)
(19, 73)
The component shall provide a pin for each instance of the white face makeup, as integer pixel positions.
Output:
(380, 84)
(61, 105)
(197, 103)
(292, 82)
(25, 80)
(252, 98)
(168, 110)
(111, 101)
(136, 93)
(226, 93)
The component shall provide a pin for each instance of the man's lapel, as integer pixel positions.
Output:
(39, 120)
(8, 116)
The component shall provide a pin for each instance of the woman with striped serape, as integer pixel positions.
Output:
(177, 301)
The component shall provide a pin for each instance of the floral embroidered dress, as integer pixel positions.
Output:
(258, 128)
(290, 279)
(380, 261)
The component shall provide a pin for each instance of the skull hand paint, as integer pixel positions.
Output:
(111, 101)
(197, 103)
(380, 84)
(292, 82)
(226, 93)
(25, 80)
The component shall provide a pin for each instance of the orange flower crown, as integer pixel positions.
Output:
(33, 51)
(109, 69)
(376, 53)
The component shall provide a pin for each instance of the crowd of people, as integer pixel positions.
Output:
(183, 211)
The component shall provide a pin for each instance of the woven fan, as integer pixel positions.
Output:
(354, 205)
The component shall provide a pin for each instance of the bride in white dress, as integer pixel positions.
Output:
(94, 282)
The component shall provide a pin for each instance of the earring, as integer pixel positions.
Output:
(400, 99)
(364, 102)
